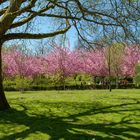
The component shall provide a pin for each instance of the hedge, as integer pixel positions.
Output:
(71, 87)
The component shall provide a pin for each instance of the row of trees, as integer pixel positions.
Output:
(114, 61)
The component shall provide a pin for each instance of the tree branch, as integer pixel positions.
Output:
(12, 36)
(30, 17)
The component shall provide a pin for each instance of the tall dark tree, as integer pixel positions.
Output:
(88, 17)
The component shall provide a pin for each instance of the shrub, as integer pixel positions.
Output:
(22, 83)
(137, 75)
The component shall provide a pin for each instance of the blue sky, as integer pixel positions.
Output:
(43, 26)
(47, 25)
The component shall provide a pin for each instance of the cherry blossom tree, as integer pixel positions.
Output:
(95, 63)
(130, 59)
(18, 63)
(63, 62)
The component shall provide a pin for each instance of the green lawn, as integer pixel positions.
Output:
(72, 115)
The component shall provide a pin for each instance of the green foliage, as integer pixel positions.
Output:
(114, 58)
(9, 84)
(47, 81)
(84, 77)
(22, 83)
(72, 115)
(137, 74)
(80, 81)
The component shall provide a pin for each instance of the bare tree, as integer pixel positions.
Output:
(88, 17)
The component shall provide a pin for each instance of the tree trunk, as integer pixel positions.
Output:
(3, 101)
(95, 81)
(63, 83)
(109, 64)
(117, 82)
(110, 88)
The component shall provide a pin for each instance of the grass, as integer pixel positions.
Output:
(72, 115)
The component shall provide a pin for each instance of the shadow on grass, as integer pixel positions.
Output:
(67, 128)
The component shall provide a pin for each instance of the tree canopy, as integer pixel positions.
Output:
(99, 17)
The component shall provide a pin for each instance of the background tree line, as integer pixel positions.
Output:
(62, 66)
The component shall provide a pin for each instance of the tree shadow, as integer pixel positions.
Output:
(68, 128)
